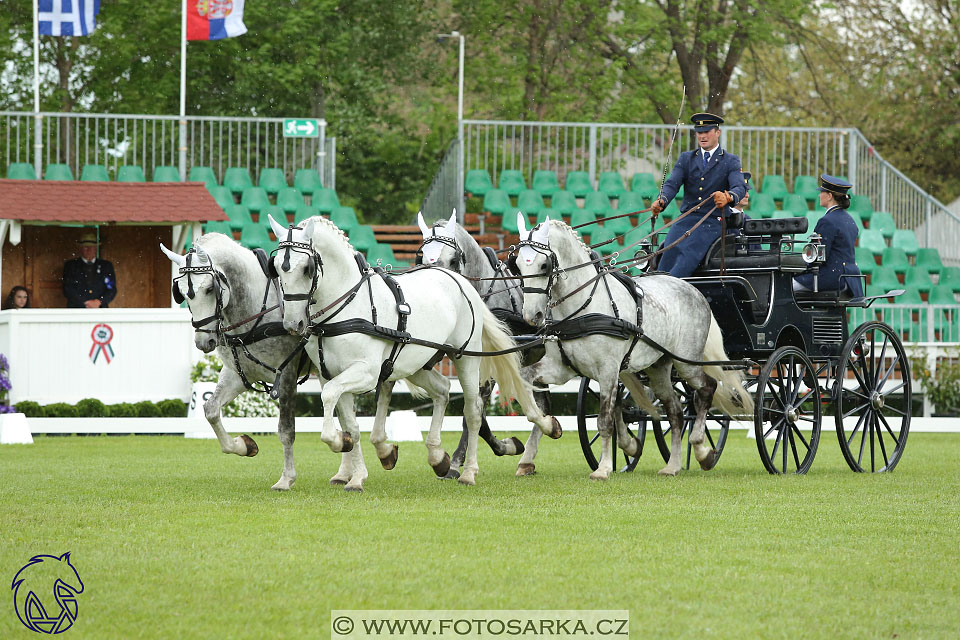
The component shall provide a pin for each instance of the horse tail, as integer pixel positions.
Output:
(505, 369)
(731, 397)
(638, 393)
(416, 391)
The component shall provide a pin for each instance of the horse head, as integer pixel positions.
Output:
(298, 269)
(204, 289)
(537, 263)
(440, 246)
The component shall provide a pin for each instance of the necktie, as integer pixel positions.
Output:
(706, 159)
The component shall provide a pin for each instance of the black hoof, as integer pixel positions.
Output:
(443, 467)
(710, 461)
(453, 474)
(252, 448)
(519, 447)
(337, 482)
(347, 443)
(557, 429)
(526, 469)
(391, 460)
(354, 489)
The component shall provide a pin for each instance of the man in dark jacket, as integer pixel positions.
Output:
(709, 173)
(88, 281)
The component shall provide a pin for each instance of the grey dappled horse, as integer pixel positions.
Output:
(449, 245)
(324, 284)
(674, 314)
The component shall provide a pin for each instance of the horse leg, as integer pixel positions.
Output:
(606, 423)
(229, 386)
(438, 388)
(286, 431)
(705, 386)
(630, 444)
(387, 453)
(344, 473)
(659, 375)
(468, 371)
(358, 377)
(347, 411)
(506, 447)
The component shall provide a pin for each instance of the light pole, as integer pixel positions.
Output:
(461, 213)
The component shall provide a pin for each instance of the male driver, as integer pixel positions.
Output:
(88, 281)
(710, 177)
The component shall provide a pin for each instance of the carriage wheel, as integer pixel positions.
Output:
(588, 402)
(787, 410)
(716, 427)
(864, 384)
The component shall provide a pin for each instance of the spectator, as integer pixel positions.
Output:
(88, 281)
(19, 298)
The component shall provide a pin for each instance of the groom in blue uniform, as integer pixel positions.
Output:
(709, 173)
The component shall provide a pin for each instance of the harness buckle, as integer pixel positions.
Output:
(403, 309)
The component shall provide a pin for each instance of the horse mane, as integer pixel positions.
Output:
(576, 237)
(339, 232)
(230, 258)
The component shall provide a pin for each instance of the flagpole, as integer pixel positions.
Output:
(183, 91)
(37, 120)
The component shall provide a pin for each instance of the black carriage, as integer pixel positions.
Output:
(808, 361)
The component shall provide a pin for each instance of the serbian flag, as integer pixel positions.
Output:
(214, 19)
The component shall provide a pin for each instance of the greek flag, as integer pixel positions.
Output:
(67, 17)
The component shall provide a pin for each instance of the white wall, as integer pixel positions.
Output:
(49, 354)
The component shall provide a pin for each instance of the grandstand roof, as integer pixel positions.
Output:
(107, 202)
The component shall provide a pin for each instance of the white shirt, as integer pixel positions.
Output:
(710, 151)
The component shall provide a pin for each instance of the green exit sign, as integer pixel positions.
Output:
(298, 128)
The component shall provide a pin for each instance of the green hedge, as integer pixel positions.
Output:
(93, 408)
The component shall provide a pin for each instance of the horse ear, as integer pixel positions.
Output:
(309, 227)
(542, 232)
(522, 226)
(175, 258)
(278, 229)
(203, 256)
(453, 218)
(424, 229)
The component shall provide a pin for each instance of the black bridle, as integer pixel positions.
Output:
(544, 250)
(305, 248)
(220, 282)
(461, 258)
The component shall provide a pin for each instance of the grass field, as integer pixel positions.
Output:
(173, 539)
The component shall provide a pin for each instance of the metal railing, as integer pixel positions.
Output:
(444, 193)
(938, 323)
(77, 139)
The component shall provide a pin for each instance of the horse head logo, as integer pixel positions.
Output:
(43, 585)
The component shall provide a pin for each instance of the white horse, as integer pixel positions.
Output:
(320, 275)
(674, 315)
(223, 284)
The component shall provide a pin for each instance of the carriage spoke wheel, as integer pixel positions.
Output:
(787, 412)
(716, 427)
(871, 426)
(588, 403)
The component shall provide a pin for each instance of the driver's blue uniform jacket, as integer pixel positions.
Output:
(721, 174)
(839, 234)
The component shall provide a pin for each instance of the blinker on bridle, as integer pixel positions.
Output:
(189, 270)
(306, 248)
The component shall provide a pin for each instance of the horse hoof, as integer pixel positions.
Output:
(596, 475)
(354, 489)
(453, 474)
(390, 461)
(337, 482)
(666, 471)
(637, 447)
(467, 481)
(518, 445)
(710, 461)
(526, 469)
(443, 467)
(347, 443)
(252, 448)
(557, 429)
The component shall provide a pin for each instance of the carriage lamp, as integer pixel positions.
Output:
(814, 251)
(642, 256)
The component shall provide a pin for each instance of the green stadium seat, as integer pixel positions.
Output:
(582, 217)
(578, 183)
(631, 202)
(255, 199)
(272, 180)
(644, 185)
(671, 212)
(166, 173)
(942, 294)
(274, 211)
(290, 199)
(618, 225)
(906, 239)
(895, 257)
(950, 276)
(865, 260)
(345, 218)
(872, 240)
(860, 205)
(21, 171)
(509, 221)
(384, 253)
(918, 279)
(795, 204)
(882, 222)
(761, 206)
(222, 195)
(306, 181)
(787, 214)
(239, 216)
(362, 238)
(325, 199)
(808, 187)
(547, 212)
(218, 226)
(256, 236)
(564, 202)
(598, 204)
(477, 182)
(58, 171)
(901, 319)
(496, 201)
(813, 217)
(775, 187)
(858, 316)
(306, 211)
(929, 259)
(130, 173)
(237, 179)
(530, 201)
(857, 221)
(611, 183)
(511, 181)
(602, 234)
(885, 278)
(203, 174)
(875, 290)
(946, 322)
(545, 182)
(94, 173)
